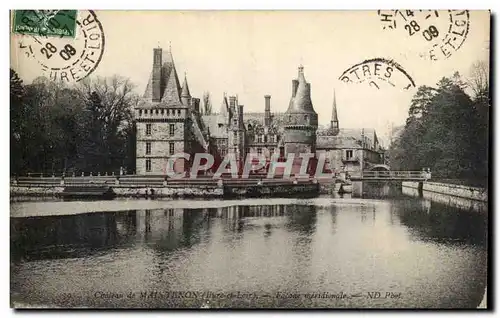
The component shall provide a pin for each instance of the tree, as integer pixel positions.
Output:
(207, 105)
(445, 132)
(109, 123)
(478, 81)
(59, 128)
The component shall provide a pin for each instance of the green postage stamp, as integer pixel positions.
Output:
(60, 23)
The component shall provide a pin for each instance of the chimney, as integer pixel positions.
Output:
(240, 115)
(196, 104)
(267, 111)
(232, 103)
(156, 76)
(295, 85)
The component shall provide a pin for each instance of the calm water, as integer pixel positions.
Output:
(385, 250)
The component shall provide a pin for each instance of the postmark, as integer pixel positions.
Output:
(58, 23)
(439, 33)
(67, 59)
(378, 73)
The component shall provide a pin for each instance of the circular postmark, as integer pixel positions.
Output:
(67, 58)
(377, 73)
(439, 33)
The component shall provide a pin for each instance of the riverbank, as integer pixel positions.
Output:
(186, 190)
(460, 191)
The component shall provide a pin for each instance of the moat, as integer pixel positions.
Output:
(387, 249)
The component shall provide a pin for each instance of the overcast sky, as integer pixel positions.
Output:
(252, 54)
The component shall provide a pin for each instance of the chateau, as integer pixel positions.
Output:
(169, 121)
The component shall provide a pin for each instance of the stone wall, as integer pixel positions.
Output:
(461, 191)
(35, 191)
(128, 191)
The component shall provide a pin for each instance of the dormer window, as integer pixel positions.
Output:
(306, 117)
(140, 112)
(156, 111)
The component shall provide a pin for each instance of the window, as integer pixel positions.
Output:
(259, 138)
(171, 148)
(178, 112)
(140, 112)
(235, 134)
(306, 117)
(265, 138)
(223, 152)
(271, 151)
(148, 148)
(168, 112)
(156, 111)
(171, 129)
(259, 151)
(148, 165)
(348, 154)
(148, 129)
(163, 111)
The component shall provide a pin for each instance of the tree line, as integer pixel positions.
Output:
(447, 129)
(56, 128)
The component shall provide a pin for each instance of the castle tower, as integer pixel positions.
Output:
(334, 122)
(166, 119)
(300, 121)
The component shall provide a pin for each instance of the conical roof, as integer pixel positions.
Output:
(301, 103)
(171, 94)
(185, 88)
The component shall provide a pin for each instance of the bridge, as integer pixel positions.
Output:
(387, 175)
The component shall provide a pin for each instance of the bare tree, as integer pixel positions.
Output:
(478, 80)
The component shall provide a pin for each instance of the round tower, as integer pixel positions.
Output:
(301, 121)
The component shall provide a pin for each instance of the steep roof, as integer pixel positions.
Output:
(346, 138)
(302, 103)
(213, 124)
(170, 89)
(185, 88)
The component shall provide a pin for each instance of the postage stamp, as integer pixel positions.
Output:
(378, 72)
(441, 33)
(68, 59)
(45, 22)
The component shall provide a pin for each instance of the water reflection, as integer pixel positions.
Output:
(433, 253)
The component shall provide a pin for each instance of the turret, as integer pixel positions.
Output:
(185, 95)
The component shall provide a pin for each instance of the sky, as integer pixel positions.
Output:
(254, 53)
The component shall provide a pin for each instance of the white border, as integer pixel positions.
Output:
(203, 5)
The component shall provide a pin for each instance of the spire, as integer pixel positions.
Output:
(185, 88)
(171, 94)
(334, 110)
